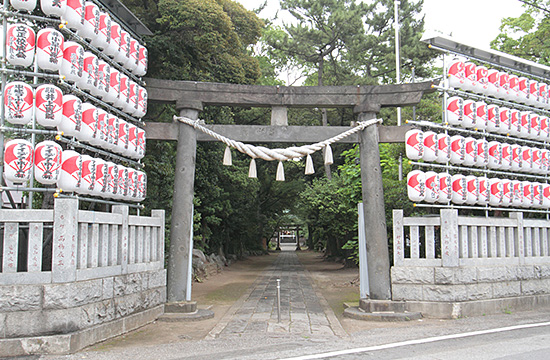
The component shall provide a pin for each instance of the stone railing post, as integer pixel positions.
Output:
(449, 237)
(398, 238)
(123, 210)
(159, 251)
(520, 238)
(65, 232)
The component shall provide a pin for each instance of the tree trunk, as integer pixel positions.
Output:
(324, 119)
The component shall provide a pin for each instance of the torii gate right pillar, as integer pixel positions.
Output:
(374, 212)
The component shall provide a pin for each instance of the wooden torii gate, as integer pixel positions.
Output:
(366, 101)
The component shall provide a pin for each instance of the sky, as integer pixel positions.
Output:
(474, 22)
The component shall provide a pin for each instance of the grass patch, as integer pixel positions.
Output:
(227, 293)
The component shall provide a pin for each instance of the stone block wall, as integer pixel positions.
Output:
(468, 283)
(50, 309)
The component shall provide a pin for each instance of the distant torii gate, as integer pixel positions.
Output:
(366, 101)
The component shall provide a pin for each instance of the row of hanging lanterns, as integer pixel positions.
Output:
(499, 84)
(459, 189)
(468, 151)
(71, 171)
(89, 23)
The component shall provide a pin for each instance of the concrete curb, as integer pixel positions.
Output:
(358, 314)
(198, 315)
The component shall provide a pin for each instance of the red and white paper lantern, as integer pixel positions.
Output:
(122, 182)
(124, 92)
(114, 44)
(527, 194)
(495, 155)
(18, 102)
(114, 87)
(543, 94)
(47, 162)
(459, 189)
(481, 115)
(141, 186)
(445, 188)
(482, 153)
(112, 139)
(72, 65)
(430, 146)
(103, 37)
(133, 60)
(143, 60)
(536, 166)
(534, 131)
(469, 119)
(443, 148)
(513, 87)
(74, 14)
(416, 185)
(537, 195)
(495, 192)
(26, 5)
(53, 7)
(515, 122)
(472, 189)
(91, 21)
(18, 160)
(49, 49)
(504, 85)
(89, 122)
(71, 122)
(545, 161)
(101, 177)
(458, 149)
(142, 141)
(20, 44)
(455, 110)
(414, 144)
(142, 102)
(71, 167)
(493, 82)
(132, 150)
(483, 190)
(481, 77)
(533, 93)
(506, 161)
(102, 124)
(523, 90)
(546, 196)
(470, 151)
(517, 193)
(103, 80)
(132, 184)
(87, 175)
(525, 118)
(517, 158)
(432, 187)
(88, 80)
(493, 118)
(132, 106)
(526, 159)
(123, 55)
(507, 192)
(455, 73)
(504, 120)
(49, 105)
(122, 143)
(544, 130)
(470, 76)
(112, 180)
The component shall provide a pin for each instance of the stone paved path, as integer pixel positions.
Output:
(302, 310)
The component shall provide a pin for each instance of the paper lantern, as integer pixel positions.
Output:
(49, 105)
(132, 149)
(544, 130)
(526, 159)
(122, 182)
(91, 21)
(141, 69)
(114, 87)
(100, 136)
(536, 163)
(71, 122)
(49, 49)
(504, 85)
(517, 193)
(132, 105)
(506, 157)
(87, 176)
(74, 14)
(122, 143)
(472, 189)
(53, 7)
(101, 177)
(432, 186)
(546, 196)
(142, 142)
(103, 37)
(495, 155)
(455, 73)
(481, 115)
(88, 80)
(18, 102)
(142, 102)
(517, 159)
(533, 93)
(481, 78)
(47, 162)
(527, 194)
(483, 190)
(112, 180)
(470, 151)
(132, 185)
(114, 45)
(18, 160)
(537, 195)
(495, 192)
(513, 87)
(458, 149)
(72, 65)
(470, 76)
(493, 118)
(534, 131)
(543, 94)
(504, 120)
(455, 110)
(493, 82)
(482, 153)
(545, 161)
(525, 119)
(133, 59)
(71, 167)
(112, 139)
(459, 189)
(123, 55)
(445, 188)
(430, 146)
(26, 5)
(523, 90)
(141, 186)
(20, 44)
(416, 185)
(469, 119)
(124, 92)
(507, 192)
(89, 122)
(443, 148)
(515, 122)
(103, 80)
(414, 144)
